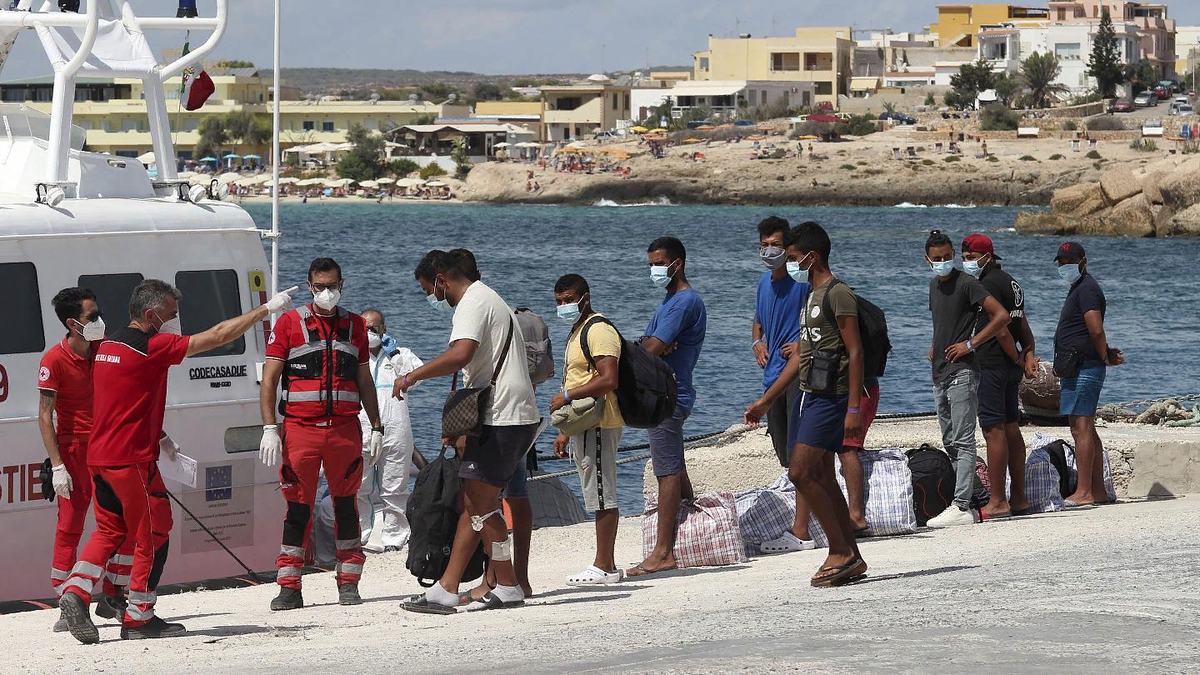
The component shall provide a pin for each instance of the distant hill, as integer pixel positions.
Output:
(334, 80)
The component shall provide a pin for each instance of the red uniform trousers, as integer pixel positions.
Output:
(71, 515)
(336, 444)
(130, 501)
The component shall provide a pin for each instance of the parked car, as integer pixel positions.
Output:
(744, 123)
(1123, 105)
(898, 117)
(1183, 110)
(696, 124)
(606, 136)
(1146, 99)
(1162, 92)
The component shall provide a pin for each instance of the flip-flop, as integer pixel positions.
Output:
(639, 570)
(1027, 511)
(594, 576)
(864, 533)
(994, 516)
(1072, 504)
(492, 601)
(787, 543)
(843, 574)
(421, 605)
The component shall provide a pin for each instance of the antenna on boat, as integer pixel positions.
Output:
(275, 157)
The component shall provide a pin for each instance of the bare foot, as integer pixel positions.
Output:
(652, 565)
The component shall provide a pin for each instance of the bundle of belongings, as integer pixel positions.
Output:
(708, 533)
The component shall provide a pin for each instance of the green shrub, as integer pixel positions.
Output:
(862, 163)
(403, 166)
(1105, 123)
(1056, 156)
(1143, 145)
(929, 99)
(993, 158)
(873, 172)
(996, 117)
(953, 158)
(1070, 125)
(1028, 158)
(858, 125)
(848, 167)
(1092, 154)
(431, 170)
(927, 162)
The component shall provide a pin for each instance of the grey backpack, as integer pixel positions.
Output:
(538, 353)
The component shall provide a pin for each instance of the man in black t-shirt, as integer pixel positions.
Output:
(956, 300)
(1081, 357)
(1000, 369)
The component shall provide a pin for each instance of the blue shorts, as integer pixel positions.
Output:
(1081, 394)
(518, 485)
(819, 421)
(666, 444)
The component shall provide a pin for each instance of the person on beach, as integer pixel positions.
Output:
(515, 494)
(774, 332)
(127, 439)
(1081, 359)
(1001, 368)
(319, 353)
(590, 371)
(828, 362)
(65, 392)
(385, 485)
(955, 302)
(676, 333)
(486, 344)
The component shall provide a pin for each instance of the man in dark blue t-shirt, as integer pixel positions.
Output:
(1081, 357)
(676, 333)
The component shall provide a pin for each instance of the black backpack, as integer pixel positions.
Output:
(646, 390)
(873, 330)
(933, 482)
(432, 513)
(1067, 476)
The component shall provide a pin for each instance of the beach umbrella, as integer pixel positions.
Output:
(435, 183)
(184, 175)
(232, 156)
(502, 145)
(692, 140)
(639, 130)
(408, 182)
(208, 159)
(386, 181)
(310, 181)
(659, 130)
(227, 178)
(251, 157)
(368, 184)
(288, 181)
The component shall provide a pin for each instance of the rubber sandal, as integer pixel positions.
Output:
(1072, 504)
(864, 533)
(421, 605)
(639, 570)
(465, 598)
(1027, 511)
(491, 601)
(594, 576)
(787, 543)
(994, 516)
(842, 574)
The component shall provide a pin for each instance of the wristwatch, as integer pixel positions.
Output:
(378, 428)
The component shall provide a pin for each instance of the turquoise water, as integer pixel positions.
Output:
(1152, 295)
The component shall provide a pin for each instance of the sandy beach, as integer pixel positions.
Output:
(1105, 588)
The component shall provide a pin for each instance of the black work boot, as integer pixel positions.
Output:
(288, 598)
(348, 595)
(79, 621)
(60, 626)
(111, 607)
(156, 628)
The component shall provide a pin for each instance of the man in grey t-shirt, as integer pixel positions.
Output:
(955, 300)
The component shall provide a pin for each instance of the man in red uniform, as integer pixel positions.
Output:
(130, 395)
(320, 353)
(65, 388)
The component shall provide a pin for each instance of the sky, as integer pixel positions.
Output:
(515, 36)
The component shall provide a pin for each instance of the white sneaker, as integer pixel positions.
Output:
(953, 515)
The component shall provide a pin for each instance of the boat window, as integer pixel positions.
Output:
(210, 297)
(243, 439)
(112, 294)
(19, 280)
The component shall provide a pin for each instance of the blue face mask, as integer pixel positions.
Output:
(972, 267)
(942, 269)
(443, 304)
(795, 271)
(661, 275)
(569, 311)
(1070, 272)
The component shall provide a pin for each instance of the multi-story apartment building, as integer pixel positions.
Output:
(821, 56)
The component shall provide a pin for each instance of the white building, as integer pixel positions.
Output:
(1006, 46)
(725, 97)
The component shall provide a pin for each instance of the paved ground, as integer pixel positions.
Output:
(1113, 588)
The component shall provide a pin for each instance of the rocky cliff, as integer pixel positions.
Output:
(1161, 199)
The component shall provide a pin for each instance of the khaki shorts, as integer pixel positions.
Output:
(595, 453)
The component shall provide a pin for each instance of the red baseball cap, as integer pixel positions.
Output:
(979, 243)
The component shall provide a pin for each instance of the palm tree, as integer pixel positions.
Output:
(1038, 74)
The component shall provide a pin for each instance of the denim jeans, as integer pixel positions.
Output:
(957, 411)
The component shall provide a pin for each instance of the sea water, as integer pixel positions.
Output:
(1153, 297)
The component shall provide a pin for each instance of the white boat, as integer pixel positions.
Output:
(69, 218)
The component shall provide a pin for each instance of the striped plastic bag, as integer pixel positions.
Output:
(764, 514)
(708, 533)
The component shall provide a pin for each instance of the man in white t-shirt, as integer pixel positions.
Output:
(487, 346)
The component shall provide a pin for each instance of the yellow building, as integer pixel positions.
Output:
(577, 110)
(957, 24)
(115, 117)
(822, 56)
(1187, 51)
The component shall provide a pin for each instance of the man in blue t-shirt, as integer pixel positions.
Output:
(676, 333)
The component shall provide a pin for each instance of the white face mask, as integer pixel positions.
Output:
(171, 327)
(93, 331)
(374, 340)
(327, 299)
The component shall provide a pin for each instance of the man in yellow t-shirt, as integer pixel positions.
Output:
(595, 450)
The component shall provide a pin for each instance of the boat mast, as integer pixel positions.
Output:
(275, 158)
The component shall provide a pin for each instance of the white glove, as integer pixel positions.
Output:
(282, 301)
(62, 482)
(167, 446)
(375, 447)
(271, 446)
